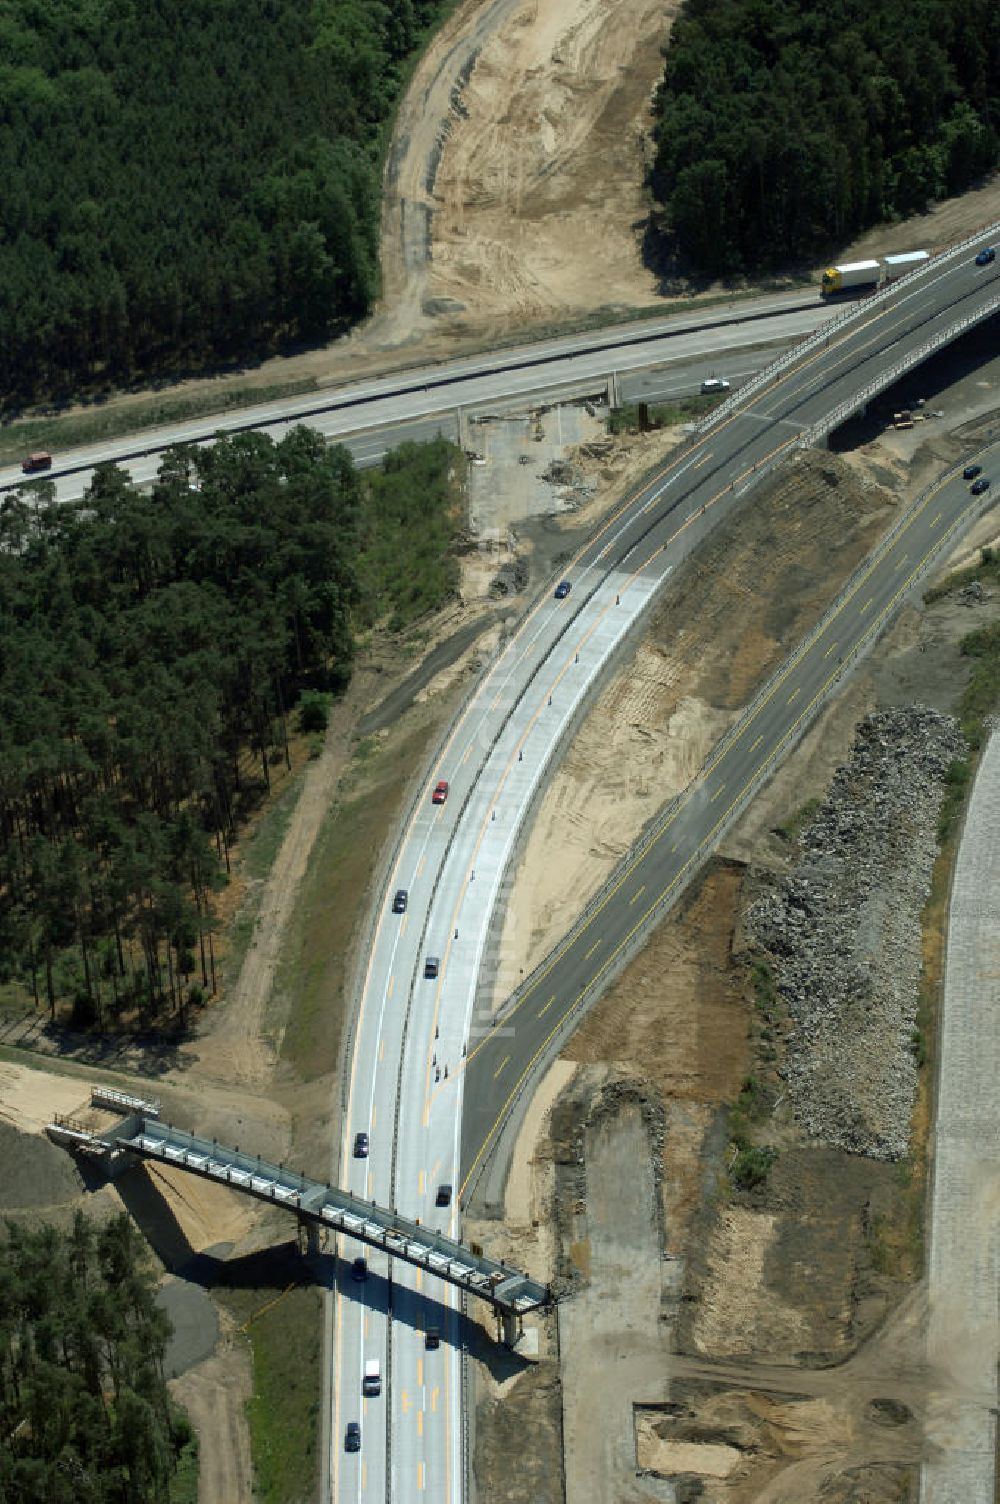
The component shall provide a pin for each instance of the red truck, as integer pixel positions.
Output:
(36, 462)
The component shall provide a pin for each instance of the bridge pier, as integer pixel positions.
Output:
(309, 1237)
(511, 1327)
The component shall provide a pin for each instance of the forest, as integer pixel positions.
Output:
(784, 129)
(84, 1409)
(188, 181)
(152, 649)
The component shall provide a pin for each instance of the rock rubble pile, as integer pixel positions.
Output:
(843, 933)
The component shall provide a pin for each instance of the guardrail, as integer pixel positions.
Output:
(855, 312)
(708, 846)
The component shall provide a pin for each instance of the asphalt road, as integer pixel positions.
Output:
(411, 1083)
(419, 402)
(505, 1060)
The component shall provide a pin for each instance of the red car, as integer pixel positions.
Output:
(440, 793)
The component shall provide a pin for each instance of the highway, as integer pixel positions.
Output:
(419, 402)
(412, 1086)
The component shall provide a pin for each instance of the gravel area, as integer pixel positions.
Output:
(843, 933)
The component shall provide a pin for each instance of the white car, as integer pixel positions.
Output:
(714, 384)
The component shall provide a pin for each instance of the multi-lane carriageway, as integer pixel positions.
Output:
(452, 859)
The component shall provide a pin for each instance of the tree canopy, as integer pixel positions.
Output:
(784, 129)
(188, 180)
(150, 646)
(84, 1409)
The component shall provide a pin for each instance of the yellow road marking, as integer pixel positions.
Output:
(902, 560)
(467, 753)
(756, 744)
(831, 649)
(406, 1402)
(548, 1005)
(392, 983)
(867, 605)
(775, 752)
(381, 1049)
(794, 694)
(434, 1397)
(421, 865)
(374, 1116)
(504, 1061)
(703, 461)
(591, 950)
(418, 1281)
(421, 1181)
(420, 1371)
(637, 895)
(364, 1477)
(935, 520)
(420, 1423)
(420, 1476)
(718, 793)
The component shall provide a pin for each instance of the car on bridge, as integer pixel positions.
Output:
(400, 901)
(986, 255)
(443, 1197)
(432, 1338)
(352, 1437)
(432, 966)
(361, 1146)
(979, 486)
(971, 471)
(563, 589)
(359, 1270)
(714, 384)
(440, 793)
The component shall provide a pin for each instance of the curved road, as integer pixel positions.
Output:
(452, 858)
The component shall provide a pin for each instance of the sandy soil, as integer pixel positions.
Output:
(215, 1394)
(649, 731)
(539, 206)
(29, 1099)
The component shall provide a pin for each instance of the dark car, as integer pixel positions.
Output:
(352, 1437)
(359, 1270)
(432, 1338)
(563, 589)
(979, 486)
(986, 255)
(400, 901)
(443, 1197)
(361, 1146)
(431, 967)
(971, 471)
(440, 793)
(36, 462)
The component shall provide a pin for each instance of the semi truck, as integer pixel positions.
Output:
(858, 276)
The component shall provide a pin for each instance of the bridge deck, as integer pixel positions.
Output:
(140, 1134)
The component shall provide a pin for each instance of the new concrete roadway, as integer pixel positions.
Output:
(408, 1084)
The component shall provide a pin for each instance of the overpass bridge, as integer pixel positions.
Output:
(140, 1135)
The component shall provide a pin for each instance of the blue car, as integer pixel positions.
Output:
(563, 589)
(986, 256)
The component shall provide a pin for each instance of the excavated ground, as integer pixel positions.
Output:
(722, 1344)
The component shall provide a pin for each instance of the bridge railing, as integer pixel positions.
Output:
(819, 336)
(330, 1207)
